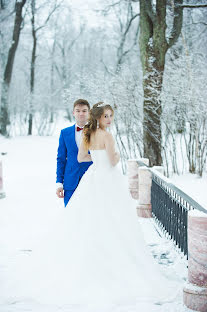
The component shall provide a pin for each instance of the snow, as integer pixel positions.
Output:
(192, 185)
(197, 213)
(159, 174)
(189, 183)
(29, 169)
(195, 288)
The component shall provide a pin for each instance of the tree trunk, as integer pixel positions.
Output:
(153, 48)
(4, 113)
(152, 116)
(32, 72)
(2, 5)
(52, 87)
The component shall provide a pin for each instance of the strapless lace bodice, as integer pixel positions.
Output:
(100, 159)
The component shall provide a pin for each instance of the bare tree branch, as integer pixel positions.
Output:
(130, 22)
(149, 10)
(108, 8)
(7, 16)
(120, 53)
(177, 23)
(194, 6)
(75, 39)
(49, 15)
(106, 68)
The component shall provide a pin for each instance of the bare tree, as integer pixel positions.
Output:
(2, 4)
(64, 66)
(154, 46)
(35, 30)
(125, 26)
(4, 113)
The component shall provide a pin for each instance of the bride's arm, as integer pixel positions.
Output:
(110, 149)
(83, 155)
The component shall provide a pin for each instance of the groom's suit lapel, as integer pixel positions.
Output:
(73, 138)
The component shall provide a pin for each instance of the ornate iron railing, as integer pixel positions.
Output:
(170, 208)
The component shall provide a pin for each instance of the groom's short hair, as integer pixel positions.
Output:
(81, 102)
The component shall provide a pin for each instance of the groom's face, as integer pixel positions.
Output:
(80, 113)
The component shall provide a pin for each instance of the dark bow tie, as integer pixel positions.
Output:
(79, 129)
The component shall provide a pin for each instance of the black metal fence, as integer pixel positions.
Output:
(170, 208)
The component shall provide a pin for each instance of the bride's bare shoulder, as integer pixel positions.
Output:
(108, 137)
(98, 133)
(101, 134)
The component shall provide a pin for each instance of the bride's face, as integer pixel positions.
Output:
(106, 118)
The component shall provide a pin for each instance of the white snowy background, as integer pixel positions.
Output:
(78, 50)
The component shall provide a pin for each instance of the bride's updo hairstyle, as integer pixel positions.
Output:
(95, 114)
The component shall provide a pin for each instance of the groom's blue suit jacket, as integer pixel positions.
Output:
(69, 170)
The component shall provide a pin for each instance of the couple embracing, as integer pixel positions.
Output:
(96, 251)
(92, 256)
(73, 158)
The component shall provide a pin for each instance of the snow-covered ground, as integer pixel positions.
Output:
(29, 182)
(193, 185)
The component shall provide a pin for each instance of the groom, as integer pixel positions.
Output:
(69, 170)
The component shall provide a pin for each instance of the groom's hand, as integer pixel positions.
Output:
(60, 192)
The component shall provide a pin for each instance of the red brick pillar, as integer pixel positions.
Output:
(133, 177)
(144, 208)
(195, 289)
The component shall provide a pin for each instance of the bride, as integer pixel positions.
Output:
(95, 252)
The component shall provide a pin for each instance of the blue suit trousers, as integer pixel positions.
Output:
(68, 194)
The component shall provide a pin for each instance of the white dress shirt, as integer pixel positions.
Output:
(78, 138)
(78, 135)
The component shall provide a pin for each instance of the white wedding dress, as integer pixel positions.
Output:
(94, 253)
